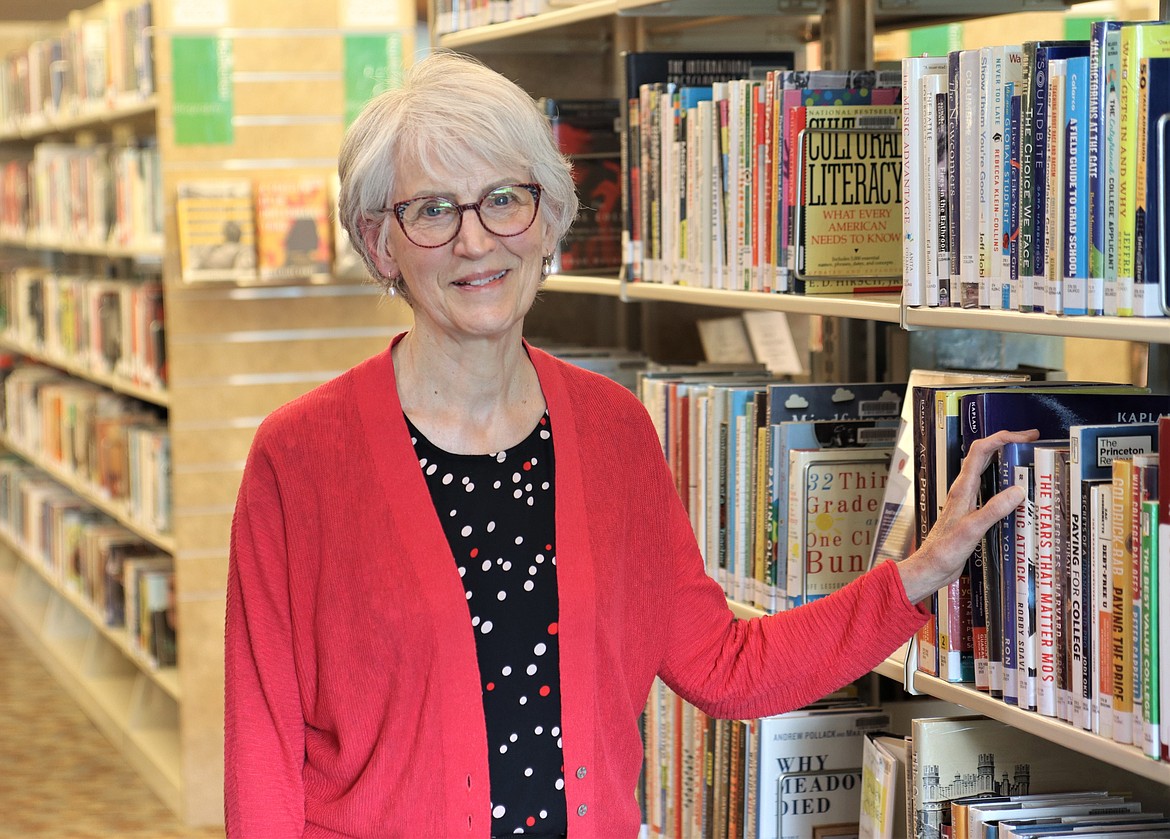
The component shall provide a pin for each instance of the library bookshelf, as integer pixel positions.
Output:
(233, 352)
(531, 48)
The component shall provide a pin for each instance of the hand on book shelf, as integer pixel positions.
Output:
(962, 521)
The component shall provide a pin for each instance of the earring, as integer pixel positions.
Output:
(546, 264)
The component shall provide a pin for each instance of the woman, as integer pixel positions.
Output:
(457, 568)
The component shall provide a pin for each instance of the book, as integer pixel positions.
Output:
(833, 499)
(808, 741)
(1149, 222)
(936, 244)
(347, 265)
(885, 763)
(1102, 245)
(783, 438)
(1074, 256)
(1042, 176)
(293, 232)
(586, 131)
(1138, 42)
(217, 230)
(1151, 655)
(848, 219)
(1162, 243)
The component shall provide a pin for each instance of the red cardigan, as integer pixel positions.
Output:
(354, 705)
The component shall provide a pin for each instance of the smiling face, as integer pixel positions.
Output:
(478, 285)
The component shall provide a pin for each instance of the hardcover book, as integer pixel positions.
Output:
(807, 741)
(849, 219)
(834, 496)
(586, 131)
(885, 765)
(217, 230)
(293, 229)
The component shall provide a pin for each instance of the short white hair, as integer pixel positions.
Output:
(449, 105)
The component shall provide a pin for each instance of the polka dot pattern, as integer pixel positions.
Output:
(498, 514)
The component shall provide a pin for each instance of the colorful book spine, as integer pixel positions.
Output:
(1075, 260)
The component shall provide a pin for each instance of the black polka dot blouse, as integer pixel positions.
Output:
(499, 517)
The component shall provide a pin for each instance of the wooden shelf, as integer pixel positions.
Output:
(116, 383)
(885, 308)
(167, 678)
(120, 111)
(147, 253)
(1129, 758)
(70, 649)
(1153, 330)
(117, 510)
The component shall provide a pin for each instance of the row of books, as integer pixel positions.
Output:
(838, 768)
(782, 777)
(743, 174)
(783, 481)
(454, 16)
(98, 196)
(272, 229)
(1035, 174)
(1058, 611)
(102, 57)
(120, 579)
(116, 446)
(102, 326)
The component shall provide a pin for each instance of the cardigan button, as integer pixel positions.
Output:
(582, 810)
(580, 772)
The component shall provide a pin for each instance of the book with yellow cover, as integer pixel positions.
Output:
(217, 230)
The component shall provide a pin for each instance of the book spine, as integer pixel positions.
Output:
(1009, 236)
(1151, 582)
(1110, 171)
(1076, 208)
(1102, 615)
(914, 281)
(1049, 272)
(1012, 541)
(1127, 167)
(1121, 601)
(1061, 544)
(1153, 101)
(969, 168)
(992, 62)
(1046, 610)
(953, 297)
(1027, 211)
(1025, 601)
(1079, 576)
(1097, 165)
(1041, 98)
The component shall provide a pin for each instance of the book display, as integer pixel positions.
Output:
(142, 345)
(997, 237)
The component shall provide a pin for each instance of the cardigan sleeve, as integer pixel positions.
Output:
(752, 668)
(264, 724)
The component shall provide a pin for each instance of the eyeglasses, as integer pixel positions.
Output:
(431, 222)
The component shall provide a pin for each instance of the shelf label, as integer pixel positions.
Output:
(373, 64)
(204, 101)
